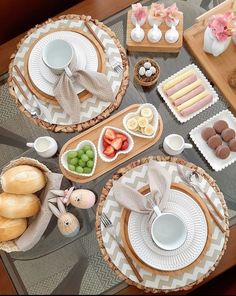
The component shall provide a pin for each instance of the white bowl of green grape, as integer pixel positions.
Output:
(82, 160)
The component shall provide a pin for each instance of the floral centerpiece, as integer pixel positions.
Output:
(218, 33)
(139, 14)
(156, 14)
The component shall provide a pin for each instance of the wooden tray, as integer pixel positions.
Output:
(84, 95)
(146, 45)
(217, 68)
(128, 247)
(140, 144)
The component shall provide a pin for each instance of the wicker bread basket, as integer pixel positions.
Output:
(10, 246)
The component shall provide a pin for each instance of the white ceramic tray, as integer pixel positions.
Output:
(205, 83)
(216, 163)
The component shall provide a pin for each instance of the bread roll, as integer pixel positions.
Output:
(14, 206)
(11, 228)
(23, 179)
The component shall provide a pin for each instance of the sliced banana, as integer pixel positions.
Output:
(142, 121)
(148, 130)
(142, 130)
(132, 124)
(146, 112)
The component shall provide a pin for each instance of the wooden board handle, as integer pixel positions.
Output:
(226, 5)
(129, 260)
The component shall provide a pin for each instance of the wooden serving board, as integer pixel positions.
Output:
(146, 45)
(84, 95)
(217, 68)
(128, 247)
(140, 144)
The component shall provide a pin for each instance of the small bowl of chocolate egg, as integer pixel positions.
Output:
(220, 138)
(146, 72)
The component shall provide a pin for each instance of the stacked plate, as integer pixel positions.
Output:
(137, 238)
(43, 78)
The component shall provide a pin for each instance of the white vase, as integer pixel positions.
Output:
(212, 45)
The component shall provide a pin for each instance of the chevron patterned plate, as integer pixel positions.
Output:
(191, 213)
(137, 178)
(91, 107)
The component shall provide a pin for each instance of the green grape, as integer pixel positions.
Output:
(84, 158)
(80, 153)
(71, 154)
(71, 167)
(90, 164)
(82, 163)
(73, 161)
(90, 154)
(87, 170)
(79, 169)
(86, 147)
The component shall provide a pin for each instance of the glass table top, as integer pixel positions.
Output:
(59, 265)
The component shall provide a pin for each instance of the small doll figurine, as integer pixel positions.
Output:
(171, 15)
(156, 14)
(139, 14)
(79, 198)
(67, 223)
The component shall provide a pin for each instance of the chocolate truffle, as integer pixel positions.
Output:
(228, 134)
(220, 125)
(222, 151)
(232, 145)
(214, 141)
(208, 132)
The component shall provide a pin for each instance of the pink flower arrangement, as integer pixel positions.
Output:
(139, 11)
(221, 26)
(171, 12)
(157, 11)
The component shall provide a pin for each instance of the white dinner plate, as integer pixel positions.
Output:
(192, 215)
(43, 77)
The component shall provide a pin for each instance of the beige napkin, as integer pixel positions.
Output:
(159, 182)
(39, 224)
(95, 83)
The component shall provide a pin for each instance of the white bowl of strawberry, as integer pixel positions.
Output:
(113, 142)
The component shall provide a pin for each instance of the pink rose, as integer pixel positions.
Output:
(220, 25)
(171, 12)
(139, 11)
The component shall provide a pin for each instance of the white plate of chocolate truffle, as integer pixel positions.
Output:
(216, 139)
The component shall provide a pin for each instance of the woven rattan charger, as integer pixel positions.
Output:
(103, 198)
(104, 114)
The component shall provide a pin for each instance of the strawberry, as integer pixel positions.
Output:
(106, 140)
(116, 143)
(109, 151)
(122, 136)
(125, 145)
(105, 144)
(110, 134)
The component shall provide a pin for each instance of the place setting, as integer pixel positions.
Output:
(173, 221)
(68, 71)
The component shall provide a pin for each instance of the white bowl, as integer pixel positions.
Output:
(137, 113)
(80, 145)
(101, 147)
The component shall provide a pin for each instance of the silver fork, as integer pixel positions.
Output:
(116, 66)
(111, 230)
